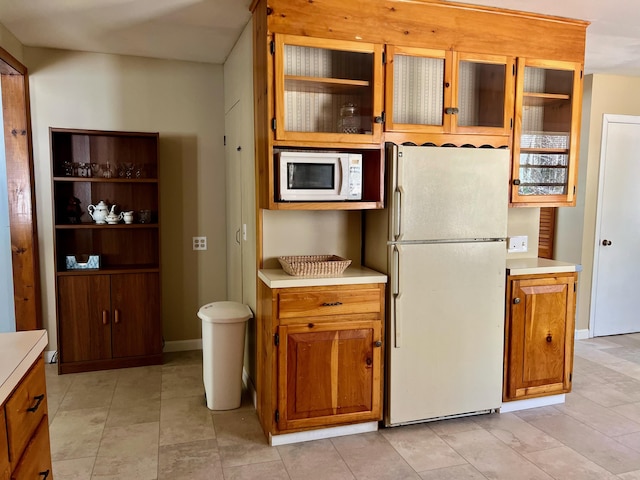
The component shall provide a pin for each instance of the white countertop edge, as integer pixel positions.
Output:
(25, 348)
(277, 278)
(529, 266)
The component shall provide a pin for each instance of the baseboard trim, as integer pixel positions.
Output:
(532, 403)
(183, 345)
(287, 438)
(582, 334)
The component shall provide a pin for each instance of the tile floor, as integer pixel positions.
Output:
(151, 423)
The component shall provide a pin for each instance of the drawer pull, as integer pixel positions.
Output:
(44, 474)
(39, 399)
(331, 304)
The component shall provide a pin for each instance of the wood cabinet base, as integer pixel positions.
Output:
(539, 331)
(89, 366)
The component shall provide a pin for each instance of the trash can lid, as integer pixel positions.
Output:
(225, 312)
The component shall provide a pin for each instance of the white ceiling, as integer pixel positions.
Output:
(206, 30)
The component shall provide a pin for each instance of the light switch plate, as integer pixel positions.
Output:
(518, 244)
(199, 243)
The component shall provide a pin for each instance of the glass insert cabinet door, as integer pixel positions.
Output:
(327, 90)
(438, 91)
(545, 147)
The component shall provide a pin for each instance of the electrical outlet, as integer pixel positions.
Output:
(199, 243)
(518, 244)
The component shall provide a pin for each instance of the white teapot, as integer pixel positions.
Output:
(99, 212)
(113, 217)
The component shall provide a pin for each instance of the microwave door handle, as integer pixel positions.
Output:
(344, 165)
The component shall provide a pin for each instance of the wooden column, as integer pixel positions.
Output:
(22, 213)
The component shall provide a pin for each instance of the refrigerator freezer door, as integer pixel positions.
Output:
(448, 193)
(446, 330)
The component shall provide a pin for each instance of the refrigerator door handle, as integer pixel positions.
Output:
(397, 214)
(395, 291)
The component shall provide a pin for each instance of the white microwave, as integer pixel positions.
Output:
(319, 176)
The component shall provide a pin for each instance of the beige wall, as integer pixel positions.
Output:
(610, 94)
(11, 44)
(183, 101)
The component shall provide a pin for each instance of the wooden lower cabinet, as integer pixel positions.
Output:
(24, 428)
(539, 333)
(322, 365)
(108, 321)
(5, 467)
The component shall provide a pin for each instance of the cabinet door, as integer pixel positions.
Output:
(540, 337)
(418, 89)
(483, 94)
(329, 373)
(135, 299)
(546, 133)
(327, 90)
(84, 318)
(35, 463)
(4, 447)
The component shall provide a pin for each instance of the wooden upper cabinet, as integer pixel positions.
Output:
(327, 90)
(546, 133)
(440, 91)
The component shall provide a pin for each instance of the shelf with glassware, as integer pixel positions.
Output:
(546, 133)
(107, 249)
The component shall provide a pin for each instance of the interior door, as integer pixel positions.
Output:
(616, 272)
(233, 157)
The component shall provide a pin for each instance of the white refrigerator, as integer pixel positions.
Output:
(445, 255)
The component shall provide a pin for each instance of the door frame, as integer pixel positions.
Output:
(606, 120)
(21, 187)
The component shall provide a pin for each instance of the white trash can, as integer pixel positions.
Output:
(223, 330)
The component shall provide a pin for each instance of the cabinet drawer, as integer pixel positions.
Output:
(315, 302)
(36, 461)
(25, 409)
(4, 448)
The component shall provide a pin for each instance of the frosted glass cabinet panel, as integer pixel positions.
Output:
(546, 137)
(438, 91)
(327, 90)
(418, 88)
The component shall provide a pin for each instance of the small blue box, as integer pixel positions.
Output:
(91, 262)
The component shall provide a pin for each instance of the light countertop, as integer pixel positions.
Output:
(277, 278)
(528, 266)
(18, 351)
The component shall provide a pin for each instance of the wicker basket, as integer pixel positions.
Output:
(314, 265)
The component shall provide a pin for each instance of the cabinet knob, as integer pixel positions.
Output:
(447, 84)
(516, 181)
(44, 474)
(377, 344)
(117, 316)
(549, 338)
(606, 243)
(105, 317)
(451, 111)
(369, 361)
(516, 300)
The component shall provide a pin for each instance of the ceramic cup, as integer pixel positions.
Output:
(128, 216)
